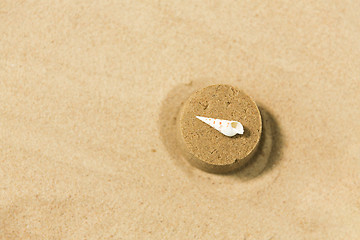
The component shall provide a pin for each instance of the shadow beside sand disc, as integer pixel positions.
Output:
(265, 158)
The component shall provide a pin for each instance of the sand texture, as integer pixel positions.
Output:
(89, 92)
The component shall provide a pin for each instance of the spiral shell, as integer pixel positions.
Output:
(226, 127)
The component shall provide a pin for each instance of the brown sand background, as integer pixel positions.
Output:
(85, 151)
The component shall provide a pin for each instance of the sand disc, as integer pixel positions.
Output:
(205, 146)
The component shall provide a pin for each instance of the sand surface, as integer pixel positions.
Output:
(86, 147)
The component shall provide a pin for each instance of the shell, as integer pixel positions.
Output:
(226, 127)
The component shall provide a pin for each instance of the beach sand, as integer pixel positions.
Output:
(89, 91)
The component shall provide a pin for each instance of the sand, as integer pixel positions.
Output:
(87, 91)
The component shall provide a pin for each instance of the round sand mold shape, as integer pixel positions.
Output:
(209, 149)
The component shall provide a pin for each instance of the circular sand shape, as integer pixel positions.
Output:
(207, 148)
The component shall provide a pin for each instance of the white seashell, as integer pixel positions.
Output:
(226, 127)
